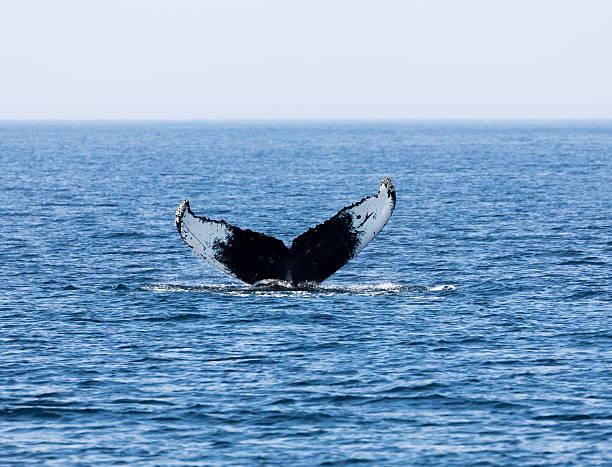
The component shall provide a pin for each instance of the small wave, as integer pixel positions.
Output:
(584, 294)
(179, 317)
(45, 413)
(433, 386)
(346, 461)
(125, 235)
(141, 401)
(591, 260)
(573, 417)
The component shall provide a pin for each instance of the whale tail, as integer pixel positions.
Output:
(313, 256)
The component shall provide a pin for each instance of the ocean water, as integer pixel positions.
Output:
(476, 329)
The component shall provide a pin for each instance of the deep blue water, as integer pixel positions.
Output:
(475, 329)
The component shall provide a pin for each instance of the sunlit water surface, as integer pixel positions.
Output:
(475, 329)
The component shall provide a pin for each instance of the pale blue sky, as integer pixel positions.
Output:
(231, 59)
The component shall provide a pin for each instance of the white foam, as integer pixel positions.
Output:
(282, 288)
(442, 288)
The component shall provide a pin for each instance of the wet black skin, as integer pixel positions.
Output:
(313, 257)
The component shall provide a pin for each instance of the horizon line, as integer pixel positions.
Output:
(300, 119)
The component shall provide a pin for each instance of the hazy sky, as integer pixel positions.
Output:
(373, 59)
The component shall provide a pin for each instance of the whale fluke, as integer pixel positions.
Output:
(313, 256)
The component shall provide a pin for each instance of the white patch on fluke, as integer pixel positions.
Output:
(202, 234)
(371, 214)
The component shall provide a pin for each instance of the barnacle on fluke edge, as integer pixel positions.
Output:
(313, 256)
